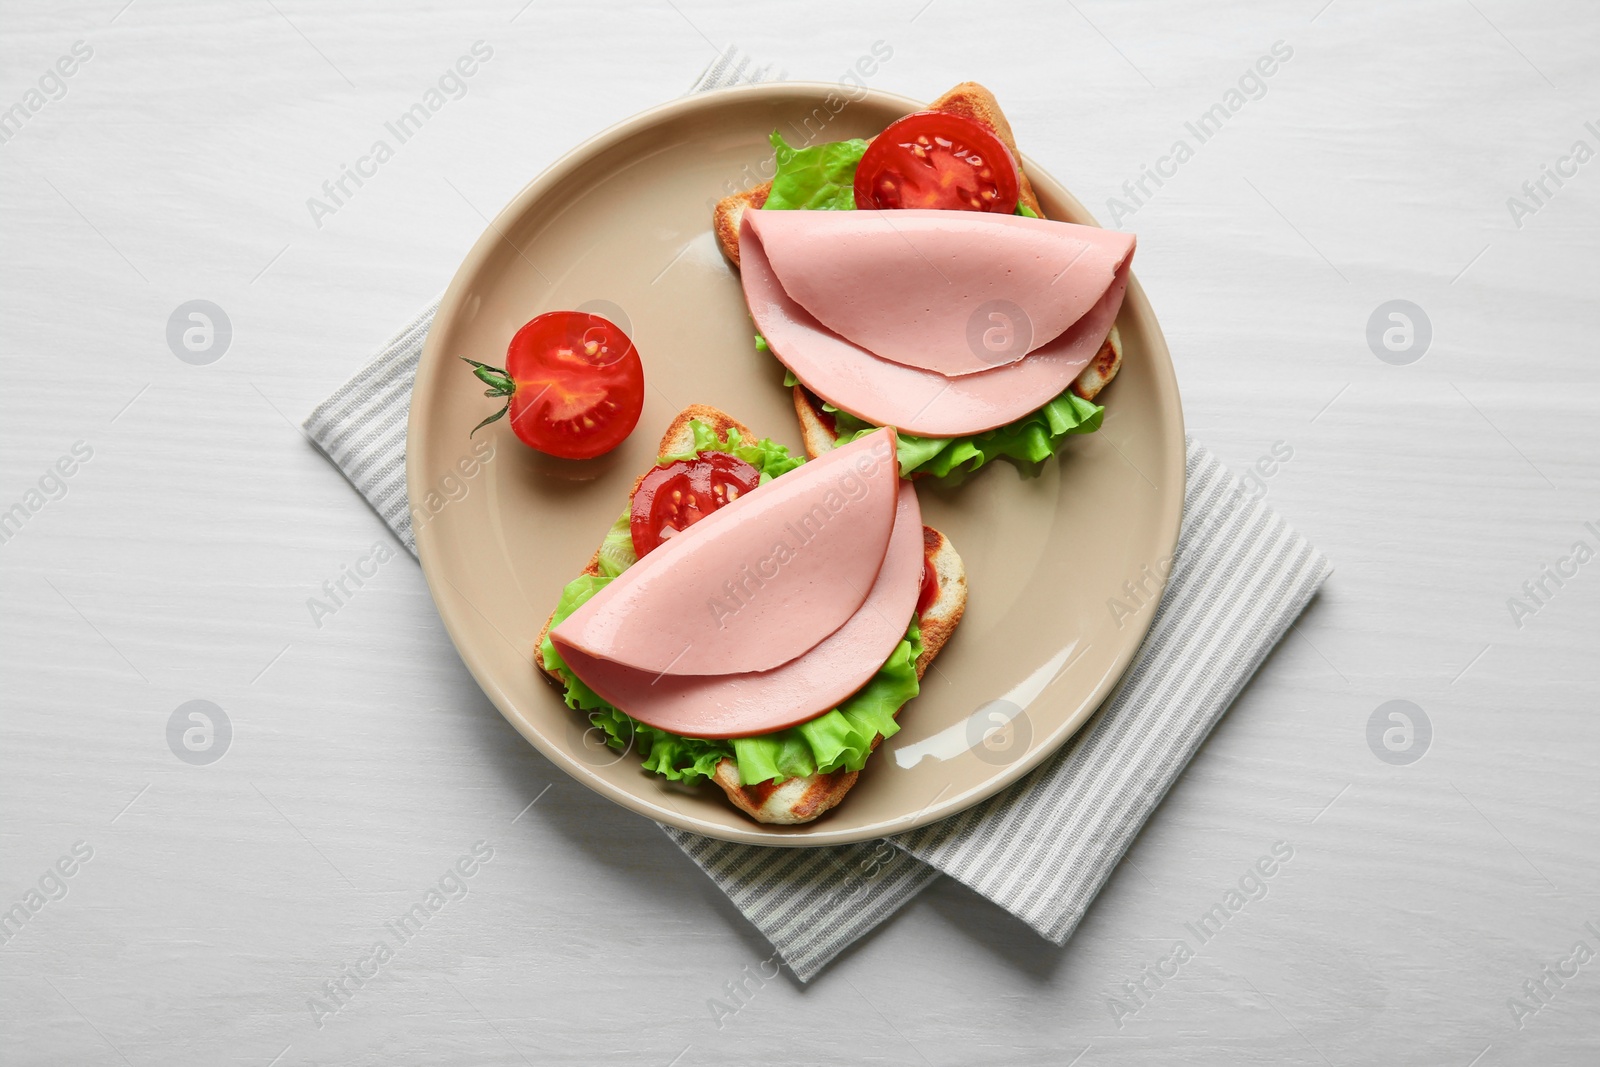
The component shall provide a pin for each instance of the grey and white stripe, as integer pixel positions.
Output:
(362, 426)
(1043, 848)
(734, 67)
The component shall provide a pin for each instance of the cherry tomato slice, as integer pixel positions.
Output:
(676, 495)
(575, 382)
(936, 160)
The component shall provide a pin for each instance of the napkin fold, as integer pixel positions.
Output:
(1041, 848)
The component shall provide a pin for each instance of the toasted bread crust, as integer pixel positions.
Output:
(729, 210)
(788, 803)
(1101, 369)
(818, 432)
(800, 800)
(972, 101)
(939, 622)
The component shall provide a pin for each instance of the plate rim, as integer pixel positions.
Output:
(429, 550)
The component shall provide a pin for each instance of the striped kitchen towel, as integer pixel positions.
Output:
(1042, 848)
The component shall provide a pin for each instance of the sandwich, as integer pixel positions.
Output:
(754, 619)
(912, 281)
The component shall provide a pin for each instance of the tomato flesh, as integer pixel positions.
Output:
(579, 384)
(936, 160)
(674, 496)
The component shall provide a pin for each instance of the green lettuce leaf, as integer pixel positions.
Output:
(765, 455)
(616, 551)
(822, 176)
(579, 696)
(838, 739)
(1030, 440)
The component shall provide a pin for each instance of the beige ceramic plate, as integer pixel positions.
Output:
(626, 219)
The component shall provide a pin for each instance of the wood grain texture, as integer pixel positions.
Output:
(178, 563)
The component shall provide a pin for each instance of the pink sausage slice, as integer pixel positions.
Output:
(919, 402)
(756, 583)
(955, 292)
(741, 705)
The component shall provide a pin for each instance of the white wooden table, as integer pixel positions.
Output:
(175, 561)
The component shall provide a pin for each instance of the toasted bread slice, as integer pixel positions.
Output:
(1101, 369)
(729, 211)
(972, 101)
(800, 800)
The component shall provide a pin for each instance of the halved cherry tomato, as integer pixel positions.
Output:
(935, 160)
(575, 384)
(676, 495)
